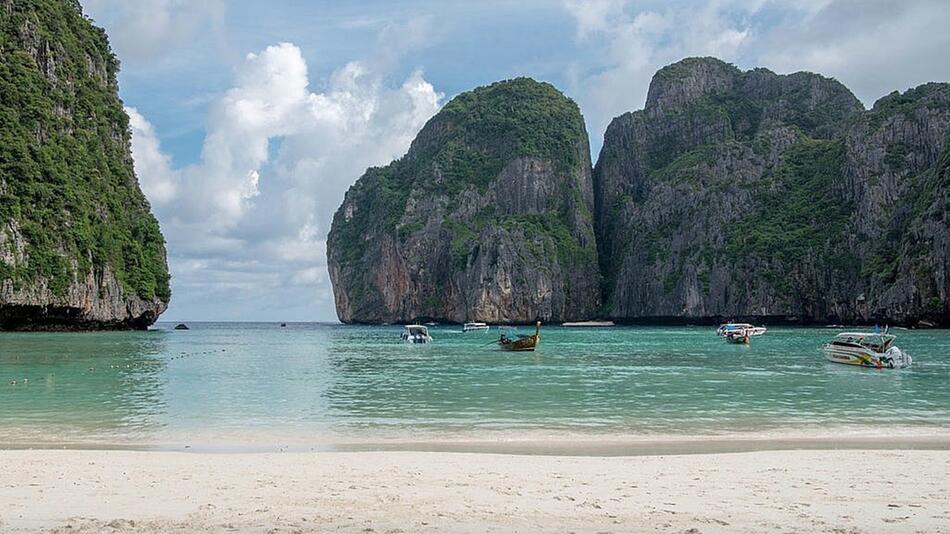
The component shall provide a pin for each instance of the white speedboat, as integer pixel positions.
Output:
(867, 349)
(741, 329)
(415, 333)
(475, 327)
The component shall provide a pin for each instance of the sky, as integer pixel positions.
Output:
(251, 119)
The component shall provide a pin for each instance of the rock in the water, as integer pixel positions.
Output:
(752, 195)
(488, 217)
(79, 248)
(182, 326)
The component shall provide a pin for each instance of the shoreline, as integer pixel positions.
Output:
(578, 446)
(770, 321)
(152, 491)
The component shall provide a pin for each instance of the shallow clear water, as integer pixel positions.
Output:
(310, 381)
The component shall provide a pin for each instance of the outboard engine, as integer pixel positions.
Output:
(895, 358)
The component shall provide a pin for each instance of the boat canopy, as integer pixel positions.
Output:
(736, 326)
(858, 337)
(872, 340)
(414, 329)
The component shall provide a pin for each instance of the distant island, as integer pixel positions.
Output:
(79, 247)
(732, 194)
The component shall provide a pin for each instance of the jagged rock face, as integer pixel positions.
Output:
(748, 194)
(487, 218)
(79, 248)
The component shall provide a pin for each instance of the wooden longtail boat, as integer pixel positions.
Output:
(523, 343)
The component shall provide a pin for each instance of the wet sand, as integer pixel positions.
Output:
(519, 443)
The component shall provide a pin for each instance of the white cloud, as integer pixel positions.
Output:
(156, 176)
(150, 29)
(873, 47)
(269, 100)
(633, 42)
(395, 40)
(594, 16)
(277, 158)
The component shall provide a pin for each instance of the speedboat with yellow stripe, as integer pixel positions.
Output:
(866, 349)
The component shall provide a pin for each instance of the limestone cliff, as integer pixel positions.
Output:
(748, 194)
(487, 217)
(79, 248)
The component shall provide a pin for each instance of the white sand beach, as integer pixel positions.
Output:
(148, 491)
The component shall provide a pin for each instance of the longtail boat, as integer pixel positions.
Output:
(522, 343)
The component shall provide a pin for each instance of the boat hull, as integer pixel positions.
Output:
(524, 344)
(418, 341)
(892, 359)
(727, 329)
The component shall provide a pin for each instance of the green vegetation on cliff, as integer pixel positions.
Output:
(490, 126)
(466, 145)
(495, 185)
(800, 210)
(66, 178)
(747, 193)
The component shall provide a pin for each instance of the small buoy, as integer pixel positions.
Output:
(26, 380)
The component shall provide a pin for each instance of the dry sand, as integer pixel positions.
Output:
(147, 491)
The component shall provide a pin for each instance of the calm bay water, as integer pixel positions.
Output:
(316, 382)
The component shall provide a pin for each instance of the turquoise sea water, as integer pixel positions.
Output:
(232, 382)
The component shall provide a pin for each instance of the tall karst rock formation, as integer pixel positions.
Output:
(79, 248)
(750, 194)
(489, 217)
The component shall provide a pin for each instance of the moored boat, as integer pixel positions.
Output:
(588, 324)
(731, 328)
(415, 333)
(521, 343)
(475, 327)
(867, 349)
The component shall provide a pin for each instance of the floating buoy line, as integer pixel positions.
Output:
(182, 355)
